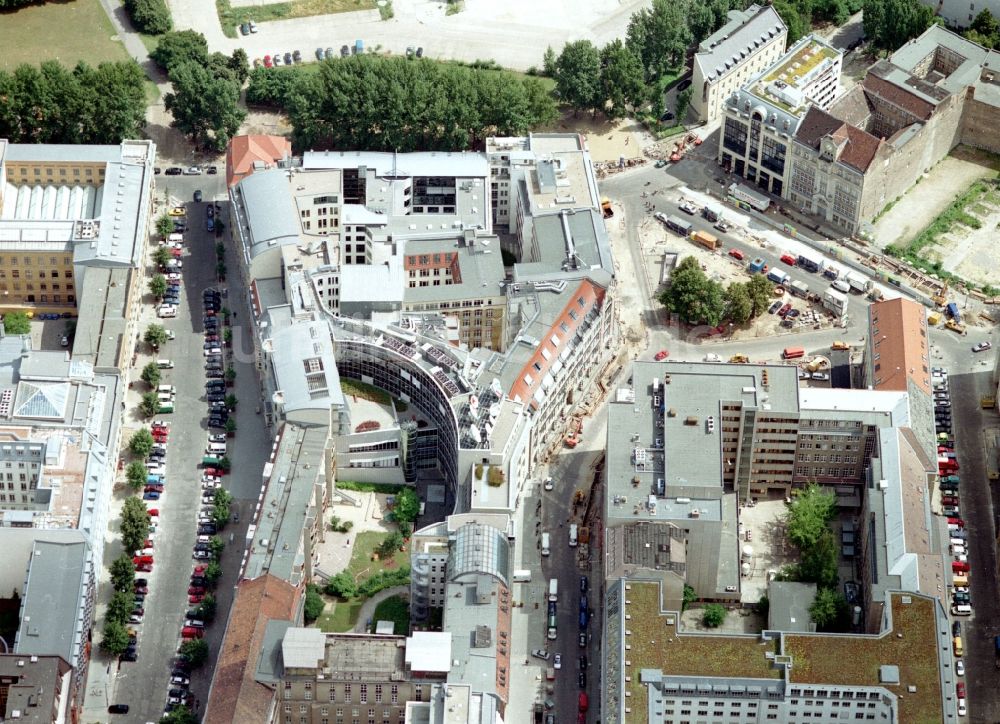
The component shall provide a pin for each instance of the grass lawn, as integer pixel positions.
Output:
(231, 17)
(395, 609)
(361, 559)
(339, 616)
(67, 32)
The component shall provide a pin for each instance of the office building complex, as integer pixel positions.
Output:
(749, 43)
(762, 116)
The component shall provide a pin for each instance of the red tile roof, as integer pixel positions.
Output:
(897, 329)
(235, 696)
(586, 295)
(861, 146)
(244, 151)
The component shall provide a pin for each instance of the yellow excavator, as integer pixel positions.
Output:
(940, 298)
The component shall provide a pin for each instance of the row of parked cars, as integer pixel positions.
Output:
(948, 482)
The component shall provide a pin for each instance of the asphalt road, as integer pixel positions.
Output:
(978, 513)
(143, 684)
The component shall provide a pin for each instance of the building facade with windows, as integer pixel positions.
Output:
(761, 118)
(750, 42)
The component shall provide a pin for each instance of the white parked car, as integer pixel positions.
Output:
(557, 662)
(211, 350)
(166, 311)
(959, 667)
(548, 483)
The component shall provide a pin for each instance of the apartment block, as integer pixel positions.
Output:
(761, 118)
(750, 42)
(337, 678)
(868, 148)
(34, 689)
(65, 210)
(900, 673)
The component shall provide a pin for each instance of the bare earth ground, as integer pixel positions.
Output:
(972, 254)
(607, 140)
(924, 202)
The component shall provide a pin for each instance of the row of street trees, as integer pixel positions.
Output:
(696, 299)
(394, 104)
(134, 529)
(50, 103)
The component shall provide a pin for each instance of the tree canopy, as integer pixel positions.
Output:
(141, 442)
(122, 573)
(693, 296)
(407, 506)
(52, 104)
(809, 514)
(135, 475)
(149, 16)
(828, 609)
(890, 23)
(205, 106)
(134, 524)
(578, 75)
(394, 104)
(660, 36)
(16, 323)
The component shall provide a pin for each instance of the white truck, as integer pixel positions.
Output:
(799, 289)
(522, 576)
(858, 283)
(553, 589)
(835, 301)
(545, 544)
(777, 276)
(572, 535)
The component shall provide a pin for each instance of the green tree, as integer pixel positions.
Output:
(16, 323)
(986, 24)
(407, 506)
(158, 286)
(151, 374)
(227, 336)
(114, 640)
(165, 225)
(683, 103)
(195, 652)
(179, 715)
(714, 615)
(622, 80)
(405, 529)
(123, 573)
(794, 19)
(225, 463)
(828, 608)
(689, 597)
(239, 64)
(578, 76)
(221, 507)
(113, 102)
(231, 401)
(213, 572)
(155, 336)
(549, 62)
(161, 256)
(890, 23)
(120, 606)
(739, 307)
(761, 292)
(135, 475)
(818, 562)
(269, 87)
(141, 443)
(660, 36)
(134, 525)
(693, 296)
(216, 546)
(314, 604)
(150, 404)
(342, 586)
(390, 545)
(177, 48)
(149, 16)
(204, 107)
(230, 374)
(230, 426)
(207, 608)
(809, 515)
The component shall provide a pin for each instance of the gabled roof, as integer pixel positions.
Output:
(244, 151)
(740, 37)
(859, 147)
(235, 695)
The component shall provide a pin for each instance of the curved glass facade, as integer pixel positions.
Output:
(402, 378)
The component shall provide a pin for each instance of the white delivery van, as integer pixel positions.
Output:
(164, 364)
(572, 536)
(176, 237)
(522, 576)
(545, 544)
(166, 389)
(553, 589)
(216, 448)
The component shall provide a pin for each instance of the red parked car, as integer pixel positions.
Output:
(956, 521)
(196, 591)
(153, 488)
(736, 254)
(142, 560)
(144, 567)
(584, 701)
(154, 512)
(199, 569)
(959, 567)
(960, 689)
(788, 259)
(190, 632)
(949, 500)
